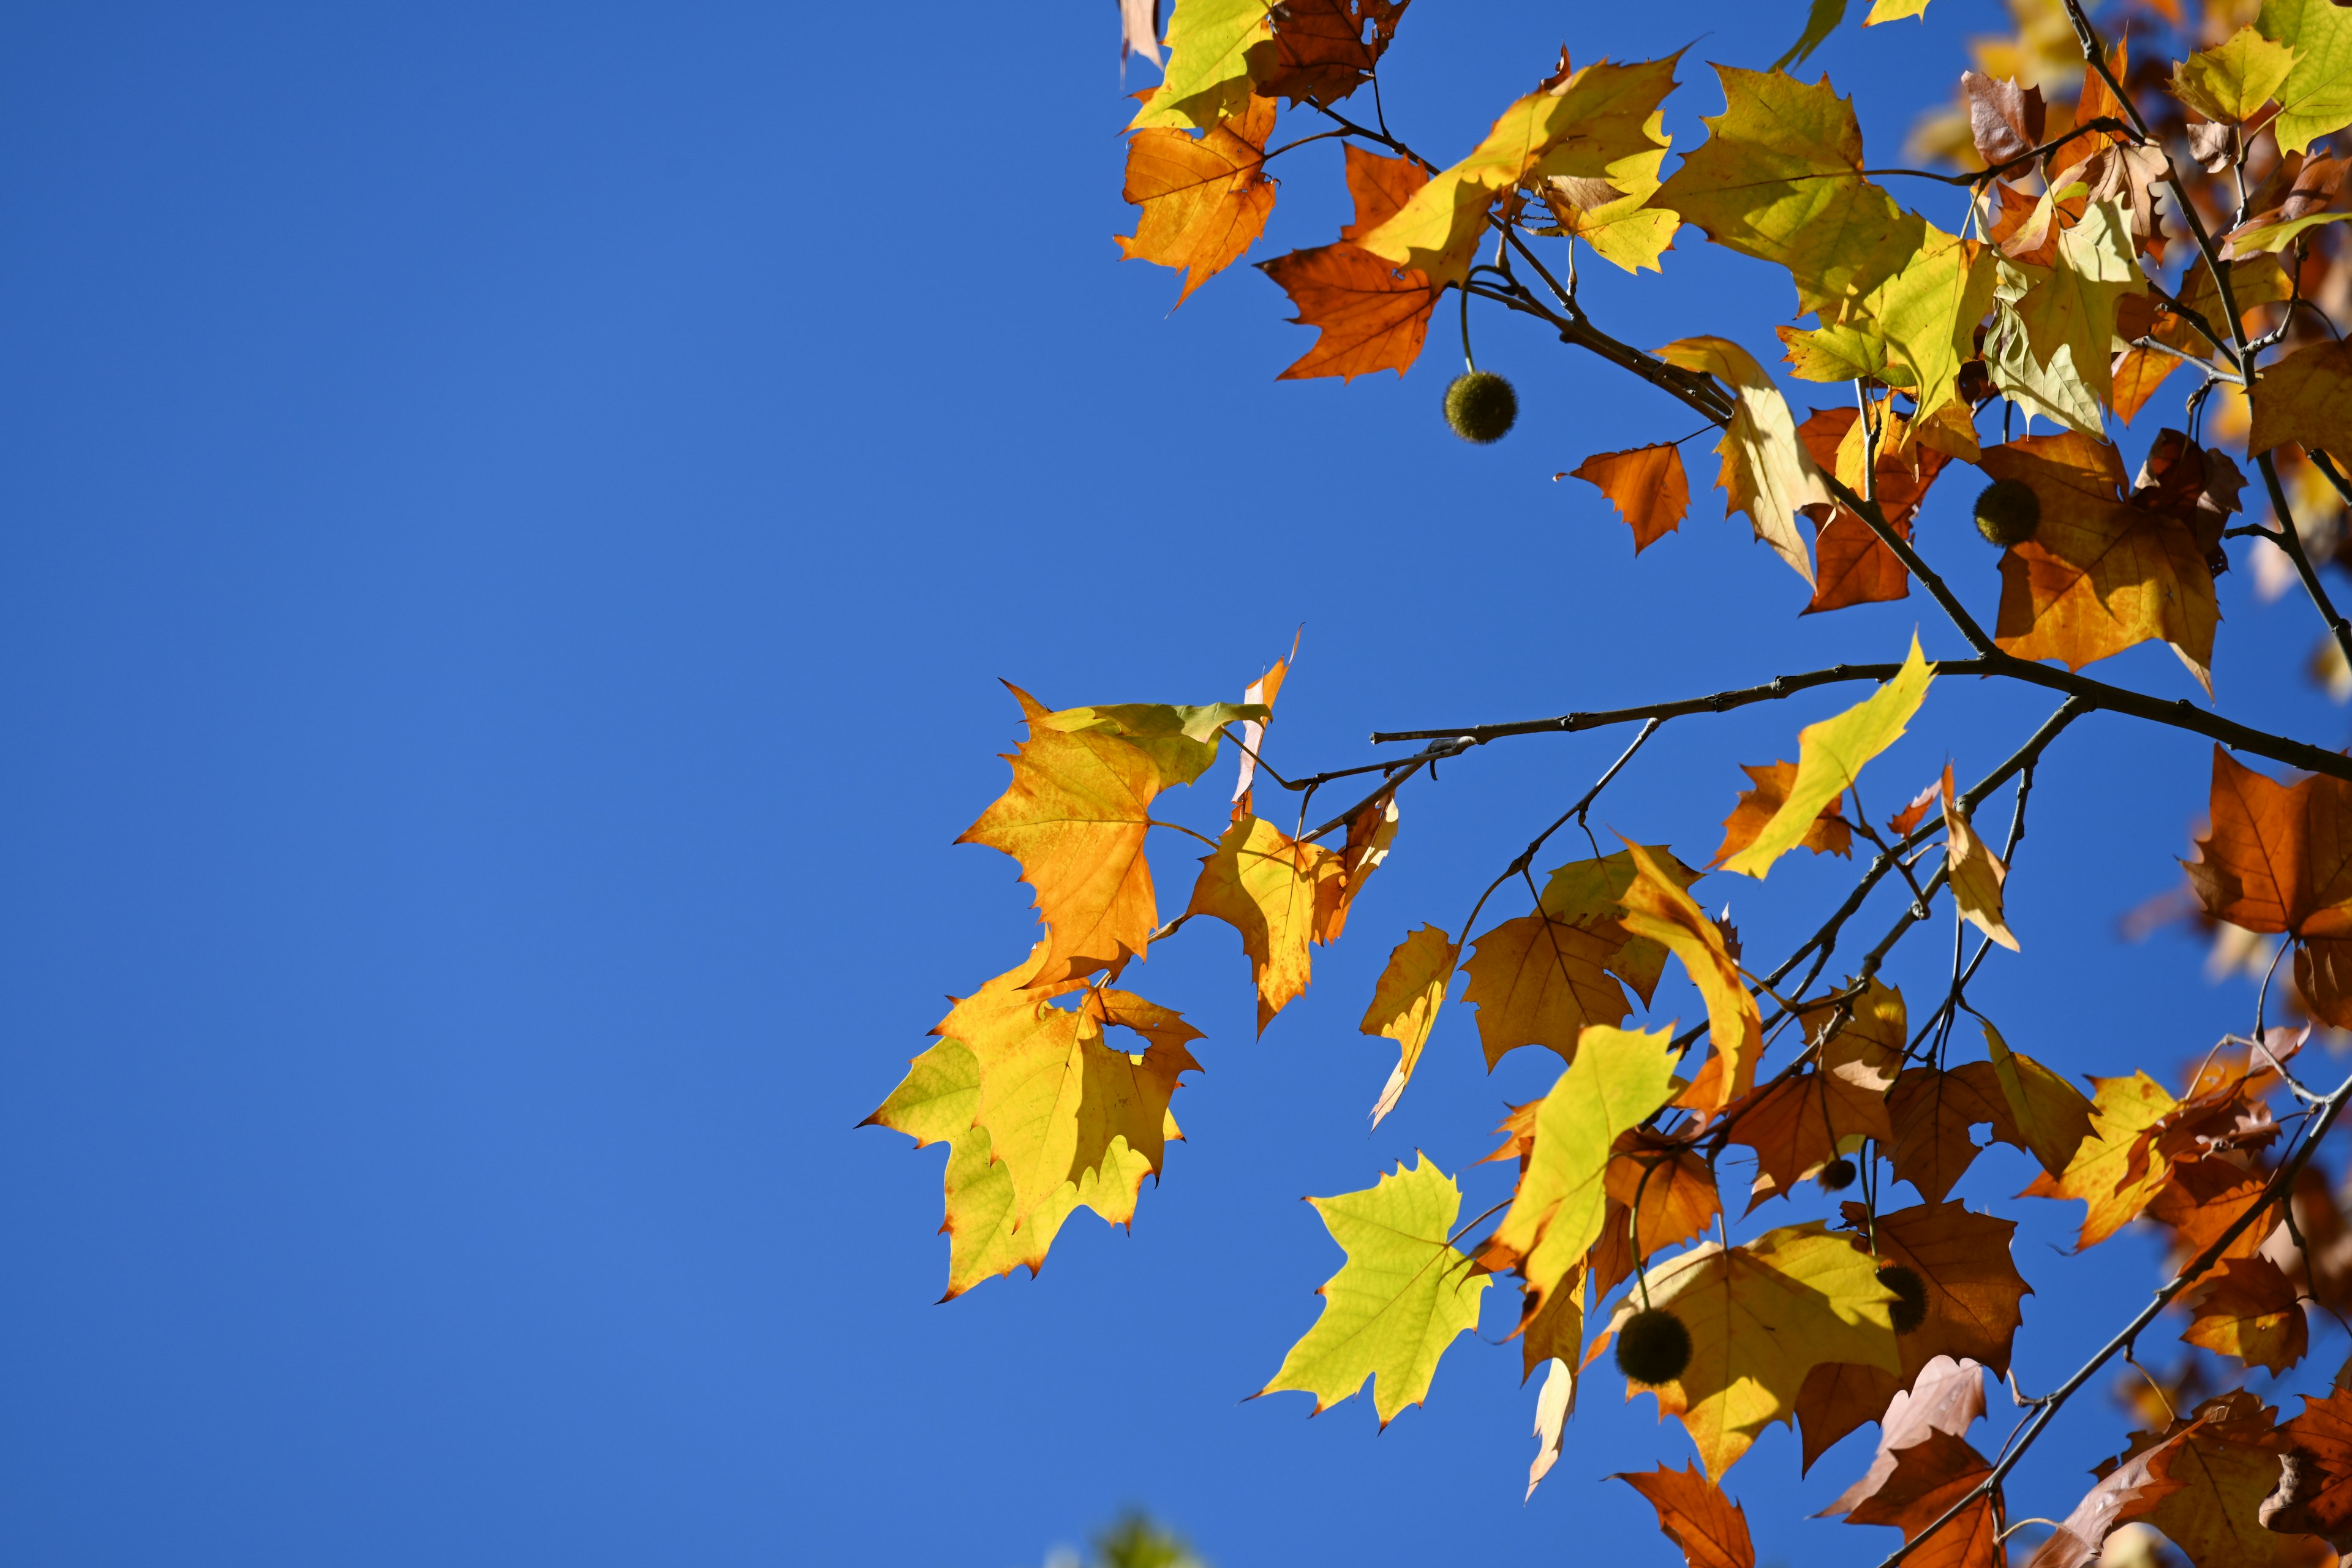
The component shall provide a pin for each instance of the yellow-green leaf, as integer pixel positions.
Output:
(1779, 178)
(1919, 325)
(1405, 1004)
(1619, 1079)
(2276, 237)
(1829, 757)
(2230, 82)
(2316, 97)
(1212, 47)
(1614, 214)
(2071, 304)
(1402, 1297)
(2052, 1115)
(1658, 909)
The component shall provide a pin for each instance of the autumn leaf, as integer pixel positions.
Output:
(2315, 98)
(1214, 49)
(1917, 327)
(2049, 1115)
(1617, 1079)
(1976, 872)
(2071, 304)
(1693, 1513)
(1262, 692)
(1591, 894)
(2129, 1489)
(2278, 857)
(1761, 1317)
(2102, 1174)
(1930, 1477)
(1801, 1123)
(1932, 1112)
(1372, 314)
(2225, 1460)
(1830, 756)
(1645, 485)
(2321, 1438)
(1779, 178)
(1658, 909)
(1405, 1005)
(1402, 1297)
(1766, 471)
(1204, 199)
(1947, 1396)
(1269, 887)
(2005, 121)
(1537, 981)
(2248, 1310)
(1828, 835)
(1852, 565)
(1578, 125)
(1325, 49)
(1671, 1185)
(2306, 398)
(1617, 215)
(1371, 832)
(1973, 1288)
(2230, 82)
(2100, 575)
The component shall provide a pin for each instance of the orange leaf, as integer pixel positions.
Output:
(2226, 1461)
(1269, 887)
(1853, 565)
(1204, 198)
(1976, 872)
(2114, 1173)
(1374, 314)
(1948, 1396)
(2321, 1437)
(1657, 908)
(1840, 1398)
(1646, 485)
(1973, 1288)
(2129, 1489)
(2249, 1311)
(1406, 1002)
(2279, 856)
(1929, 1477)
(1711, 1530)
(1075, 817)
(2100, 574)
(1537, 981)
(2137, 375)
(1829, 834)
(1932, 1112)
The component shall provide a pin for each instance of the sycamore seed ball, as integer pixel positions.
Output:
(1653, 1347)
(1481, 406)
(1910, 1308)
(1837, 1176)
(2007, 511)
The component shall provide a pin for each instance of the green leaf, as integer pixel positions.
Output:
(1779, 178)
(1211, 47)
(2275, 237)
(1402, 1297)
(2072, 303)
(1618, 1080)
(1830, 756)
(1918, 326)
(2316, 97)
(2230, 82)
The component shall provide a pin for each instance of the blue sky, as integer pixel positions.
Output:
(515, 516)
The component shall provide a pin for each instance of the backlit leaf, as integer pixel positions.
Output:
(1645, 485)
(1405, 1005)
(1213, 46)
(1711, 1530)
(1204, 199)
(1766, 472)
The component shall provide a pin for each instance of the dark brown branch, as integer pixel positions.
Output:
(1986, 177)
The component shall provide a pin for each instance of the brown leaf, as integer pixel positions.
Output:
(1829, 834)
(1948, 1397)
(2129, 1489)
(2099, 575)
(2321, 1437)
(1855, 566)
(2005, 121)
(1932, 1112)
(2203, 1199)
(1974, 1290)
(1321, 48)
(2306, 398)
(1537, 981)
(2278, 857)
(1204, 198)
(1929, 1477)
(1646, 485)
(2248, 1310)
(1840, 1398)
(1711, 1530)
(2226, 1466)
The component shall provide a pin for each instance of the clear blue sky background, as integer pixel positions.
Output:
(513, 519)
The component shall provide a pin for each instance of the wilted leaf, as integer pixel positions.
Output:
(2005, 121)
(2225, 1466)
(1657, 908)
(1947, 1397)
(1402, 1297)
(1932, 1112)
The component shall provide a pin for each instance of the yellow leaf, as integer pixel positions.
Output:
(1614, 214)
(1893, 10)
(1658, 909)
(1578, 126)
(1767, 472)
(1405, 1004)
(2100, 1172)
(1617, 1080)
(1761, 1317)
(1828, 835)
(1829, 757)
(2230, 82)
(2306, 398)
(2051, 1114)
(1267, 887)
(2071, 304)
(1976, 871)
(1204, 199)
(1213, 47)
(1779, 178)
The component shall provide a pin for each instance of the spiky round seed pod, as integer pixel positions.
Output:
(1653, 1347)
(2007, 511)
(1481, 406)
(1910, 1308)
(1837, 1176)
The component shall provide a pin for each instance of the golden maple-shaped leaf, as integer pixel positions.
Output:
(1591, 893)
(1932, 1112)
(2278, 857)
(2306, 398)
(1402, 1297)
(1973, 1288)
(2100, 574)
(1537, 981)
(1829, 758)
(1617, 214)
(1374, 314)
(1325, 49)
(1779, 178)
(2050, 1116)
(1915, 329)
(1767, 472)
(1761, 1317)
(1577, 125)
(1930, 1477)
(1405, 1004)
(1645, 485)
(1693, 1513)
(1617, 1080)
(1658, 909)
(1976, 872)
(1204, 198)
(2230, 82)
(2248, 1308)
(1830, 834)
(2111, 1172)
(1267, 886)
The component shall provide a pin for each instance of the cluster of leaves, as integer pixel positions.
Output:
(2176, 213)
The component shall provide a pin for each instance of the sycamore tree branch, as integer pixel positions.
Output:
(1987, 175)
(2280, 1183)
